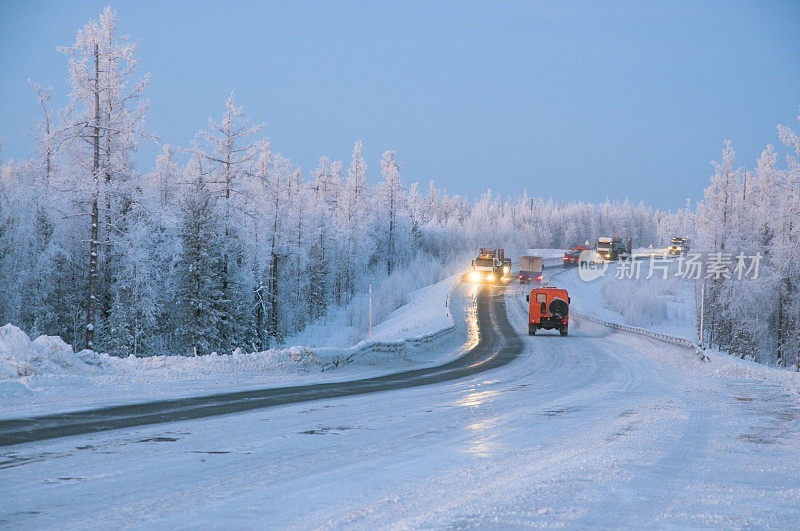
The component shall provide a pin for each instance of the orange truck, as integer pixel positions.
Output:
(549, 309)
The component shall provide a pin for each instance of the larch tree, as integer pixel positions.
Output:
(391, 208)
(352, 220)
(102, 126)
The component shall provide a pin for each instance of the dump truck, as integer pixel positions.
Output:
(490, 265)
(611, 248)
(679, 245)
(549, 310)
(530, 268)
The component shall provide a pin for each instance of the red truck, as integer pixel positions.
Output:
(549, 309)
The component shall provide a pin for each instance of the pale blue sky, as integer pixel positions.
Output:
(578, 100)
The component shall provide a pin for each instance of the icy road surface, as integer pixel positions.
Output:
(601, 428)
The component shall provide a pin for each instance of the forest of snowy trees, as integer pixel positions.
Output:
(225, 243)
(748, 212)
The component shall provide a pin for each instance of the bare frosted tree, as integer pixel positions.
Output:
(102, 126)
(391, 204)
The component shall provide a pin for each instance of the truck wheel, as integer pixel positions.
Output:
(531, 329)
(563, 331)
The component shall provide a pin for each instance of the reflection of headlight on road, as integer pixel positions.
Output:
(475, 276)
(490, 277)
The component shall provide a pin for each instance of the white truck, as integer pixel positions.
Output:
(530, 268)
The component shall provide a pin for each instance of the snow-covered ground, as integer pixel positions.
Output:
(544, 253)
(45, 375)
(421, 315)
(599, 429)
(663, 306)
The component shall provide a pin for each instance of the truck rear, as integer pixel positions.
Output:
(530, 268)
(548, 310)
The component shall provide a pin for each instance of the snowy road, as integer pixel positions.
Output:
(498, 345)
(601, 428)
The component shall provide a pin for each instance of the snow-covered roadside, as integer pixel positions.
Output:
(663, 306)
(677, 304)
(46, 375)
(421, 315)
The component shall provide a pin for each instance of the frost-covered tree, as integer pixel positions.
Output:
(46, 141)
(352, 221)
(390, 204)
(199, 295)
(233, 149)
(165, 177)
(102, 127)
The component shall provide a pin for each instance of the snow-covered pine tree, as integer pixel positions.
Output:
(139, 276)
(786, 247)
(274, 174)
(293, 268)
(232, 153)
(165, 177)
(715, 221)
(199, 270)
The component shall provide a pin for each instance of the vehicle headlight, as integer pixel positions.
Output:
(490, 276)
(475, 276)
(505, 269)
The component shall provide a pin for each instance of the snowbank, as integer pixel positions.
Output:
(46, 375)
(422, 314)
(48, 361)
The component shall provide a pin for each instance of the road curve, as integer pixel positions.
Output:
(601, 429)
(498, 345)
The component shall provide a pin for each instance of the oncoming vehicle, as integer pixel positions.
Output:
(549, 309)
(679, 245)
(490, 265)
(573, 255)
(612, 248)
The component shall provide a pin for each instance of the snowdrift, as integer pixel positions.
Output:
(48, 361)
